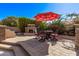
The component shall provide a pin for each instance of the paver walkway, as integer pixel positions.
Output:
(36, 48)
(59, 50)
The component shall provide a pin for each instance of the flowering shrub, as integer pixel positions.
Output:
(57, 26)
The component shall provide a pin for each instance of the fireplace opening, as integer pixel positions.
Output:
(30, 31)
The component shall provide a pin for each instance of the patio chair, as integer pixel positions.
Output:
(53, 37)
(40, 36)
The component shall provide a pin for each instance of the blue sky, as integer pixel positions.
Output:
(31, 9)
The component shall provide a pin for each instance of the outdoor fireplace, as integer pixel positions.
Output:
(30, 29)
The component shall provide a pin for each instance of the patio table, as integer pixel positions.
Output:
(48, 33)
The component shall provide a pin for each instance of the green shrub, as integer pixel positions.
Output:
(22, 23)
(9, 21)
(43, 26)
(1, 23)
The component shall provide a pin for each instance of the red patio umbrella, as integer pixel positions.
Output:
(48, 16)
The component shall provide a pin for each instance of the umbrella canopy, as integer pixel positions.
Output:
(48, 16)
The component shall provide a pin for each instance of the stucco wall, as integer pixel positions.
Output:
(6, 33)
(9, 33)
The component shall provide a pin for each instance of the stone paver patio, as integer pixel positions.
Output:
(59, 50)
(36, 48)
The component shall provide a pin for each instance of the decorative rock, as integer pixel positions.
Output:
(68, 44)
(58, 50)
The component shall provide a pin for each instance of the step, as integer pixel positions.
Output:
(29, 34)
(19, 51)
(8, 43)
(5, 46)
